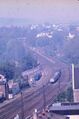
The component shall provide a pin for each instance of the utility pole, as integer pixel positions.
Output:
(6, 89)
(43, 91)
(22, 105)
(44, 98)
(59, 86)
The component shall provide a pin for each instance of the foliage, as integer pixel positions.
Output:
(71, 51)
(15, 59)
(8, 70)
(69, 94)
(65, 96)
(71, 47)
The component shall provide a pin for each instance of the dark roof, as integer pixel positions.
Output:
(65, 109)
(76, 77)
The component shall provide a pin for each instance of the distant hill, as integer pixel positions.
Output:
(14, 22)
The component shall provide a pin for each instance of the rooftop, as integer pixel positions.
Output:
(67, 109)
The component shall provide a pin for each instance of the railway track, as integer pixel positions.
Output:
(34, 98)
(31, 101)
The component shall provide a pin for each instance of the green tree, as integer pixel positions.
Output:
(8, 70)
(69, 94)
(71, 48)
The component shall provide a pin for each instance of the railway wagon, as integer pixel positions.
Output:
(2, 88)
(2, 92)
(37, 76)
(56, 77)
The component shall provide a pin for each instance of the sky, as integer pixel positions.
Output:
(41, 10)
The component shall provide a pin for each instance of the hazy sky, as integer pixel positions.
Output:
(41, 10)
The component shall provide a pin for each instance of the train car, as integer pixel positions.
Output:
(37, 76)
(56, 77)
(15, 88)
(2, 93)
(2, 88)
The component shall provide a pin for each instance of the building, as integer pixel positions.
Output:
(75, 82)
(13, 88)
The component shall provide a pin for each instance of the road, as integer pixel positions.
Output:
(33, 98)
